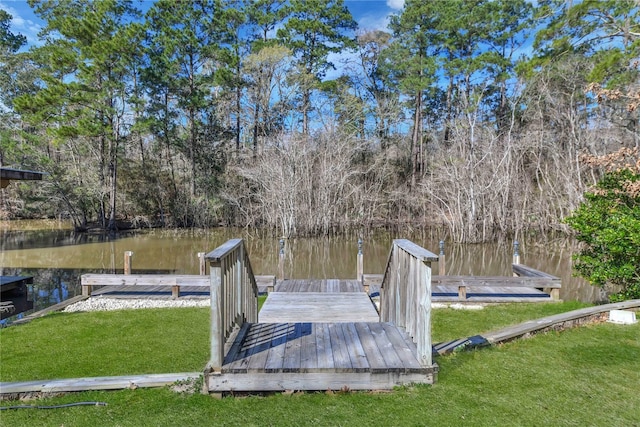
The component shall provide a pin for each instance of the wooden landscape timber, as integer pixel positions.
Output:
(7, 389)
(51, 309)
(526, 329)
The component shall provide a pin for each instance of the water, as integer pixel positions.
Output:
(57, 256)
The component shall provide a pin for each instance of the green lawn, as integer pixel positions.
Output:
(584, 376)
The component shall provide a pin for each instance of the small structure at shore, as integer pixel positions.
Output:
(14, 295)
(14, 298)
(8, 174)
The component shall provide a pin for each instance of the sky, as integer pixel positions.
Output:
(370, 15)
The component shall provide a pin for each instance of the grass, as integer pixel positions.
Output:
(584, 376)
(69, 345)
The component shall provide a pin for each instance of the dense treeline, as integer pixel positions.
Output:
(466, 114)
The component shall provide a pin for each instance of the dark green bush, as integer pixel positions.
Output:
(608, 225)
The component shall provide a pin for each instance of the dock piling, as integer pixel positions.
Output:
(203, 263)
(127, 261)
(360, 264)
(281, 260)
(441, 257)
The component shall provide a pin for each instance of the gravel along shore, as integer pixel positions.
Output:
(108, 304)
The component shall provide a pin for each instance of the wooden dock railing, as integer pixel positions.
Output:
(234, 296)
(405, 294)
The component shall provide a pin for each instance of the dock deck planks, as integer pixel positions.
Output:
(285, 307)
(326, 286)
(321, 352)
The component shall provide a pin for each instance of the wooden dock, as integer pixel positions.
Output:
(555, 322)
(323, 334)
(14, 295)
(318, 334)
(318, 301)
(319, 356)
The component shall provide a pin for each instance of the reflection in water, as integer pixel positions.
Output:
(57, 258)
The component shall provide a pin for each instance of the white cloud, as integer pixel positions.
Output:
(21, 23)
(371, 22)
(395, 4)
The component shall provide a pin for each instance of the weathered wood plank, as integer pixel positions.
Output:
(96, 383)
(323, 346)
(391, 358)
(293, 347)
(51, 309)
(489, 281)
(144, 280)
(322, 286)
(407, 357)
(416, 251)
(284, 307)
(260, 347)
(234, 344)
(309, 350)
(275, 355)
(355, 349)
(512, 332)
(238, 362)
(374, 356)
(341, 359)
(526, 271)
(318, 381)
(221, 251)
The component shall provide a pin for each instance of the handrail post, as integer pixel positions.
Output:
(423, 341)
(217, 328)
(239, 287)
(127, 261)
(441, 262)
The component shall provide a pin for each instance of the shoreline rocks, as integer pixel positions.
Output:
(110, 304)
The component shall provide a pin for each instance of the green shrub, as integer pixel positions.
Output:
(608, 225)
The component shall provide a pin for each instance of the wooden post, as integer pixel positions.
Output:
(360, 264)
(423, 341)
(127, 262)
(441, 264)
(516, 255)
(217, 304)
(203, 263)
(175, 289)
(462, 292)
(86, 290)
(281, 261)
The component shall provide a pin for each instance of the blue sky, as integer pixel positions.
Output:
(370, 15)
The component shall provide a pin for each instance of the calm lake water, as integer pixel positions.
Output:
(57, 257)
